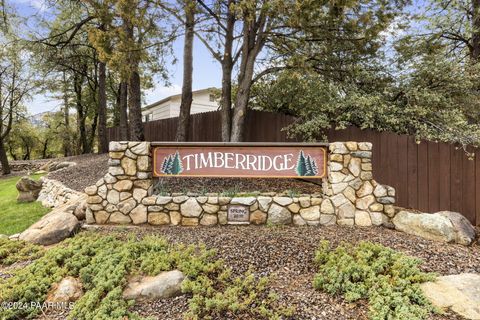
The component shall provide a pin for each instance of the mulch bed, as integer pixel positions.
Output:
(286, 254)
(90, 168)
(237, 185)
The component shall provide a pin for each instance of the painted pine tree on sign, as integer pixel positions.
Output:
(172, 164)
(306, 165)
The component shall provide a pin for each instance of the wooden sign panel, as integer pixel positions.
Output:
(288, 161)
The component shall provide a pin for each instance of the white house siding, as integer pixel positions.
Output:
(171, 107)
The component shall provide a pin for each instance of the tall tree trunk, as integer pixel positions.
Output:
(67, 147)
(4, 159)
(227, 67)
(186, 103)
(253, 41)
(102, 110)
(134, 107)
(122, 109)
(44, 149)
(134, 89)
(81, 114)
(93, 131)
(476, 31)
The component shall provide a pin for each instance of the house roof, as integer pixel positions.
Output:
(152, 105)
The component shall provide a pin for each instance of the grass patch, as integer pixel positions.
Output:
(103, 264)
(388, 279)
(16, 217)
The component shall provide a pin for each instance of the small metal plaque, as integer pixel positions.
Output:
(238, 214)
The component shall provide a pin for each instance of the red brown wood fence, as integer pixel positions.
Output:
(428, 176)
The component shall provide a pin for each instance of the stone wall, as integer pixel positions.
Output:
(350, 195)
(117, 197)
(357, 198)
(54, 193)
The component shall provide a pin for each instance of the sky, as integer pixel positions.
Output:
(206, 70)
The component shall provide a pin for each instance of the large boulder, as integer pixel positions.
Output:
(52, 228)
(70, 289)
(464, 231)
(435, 226)
(459, 292)
(28, 189)
(166, 284)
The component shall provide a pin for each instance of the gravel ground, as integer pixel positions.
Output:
(89, 169)
(285, 254)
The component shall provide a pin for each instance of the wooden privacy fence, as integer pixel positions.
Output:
(428, 176)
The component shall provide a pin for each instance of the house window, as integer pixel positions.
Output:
(148, 117)
(212, 98)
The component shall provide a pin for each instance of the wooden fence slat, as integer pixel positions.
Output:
(468, 188)
(477, 187)
(456, 180)
(433, 177)
(444, 176)
(402, 185)
(423, 176)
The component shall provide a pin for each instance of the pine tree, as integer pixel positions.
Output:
(169, 167)
(177, 167)
(164, 165)
(301, 168)
(314, 167)
(308, 166)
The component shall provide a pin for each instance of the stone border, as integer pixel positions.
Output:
(54, 193)
(350, 195)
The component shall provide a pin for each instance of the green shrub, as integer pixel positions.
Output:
(17, 251)
(389, 280)
(103, 264)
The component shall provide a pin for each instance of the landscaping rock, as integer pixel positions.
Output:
(51, 228)
(80, 210)
(258, 217)
(158, 218)
(464, 231)
(70, 289)
(28, 189)
(311, 213)
(362, 219)
(191, 208)
(429, 226)
(246, 201)
(279, 215)
(165, 285)
(459, 292)
(208, 220)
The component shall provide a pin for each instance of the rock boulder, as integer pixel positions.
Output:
(459, 292)
(51, 228)
(464, 231)
(440, 226)
(28, 189)
(166, 284)
(70, 289)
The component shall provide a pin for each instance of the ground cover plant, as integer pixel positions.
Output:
(103, 264)
(388, 279)
(16, 217)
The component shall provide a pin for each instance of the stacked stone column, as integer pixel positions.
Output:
(117, 197)
(357, 198)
